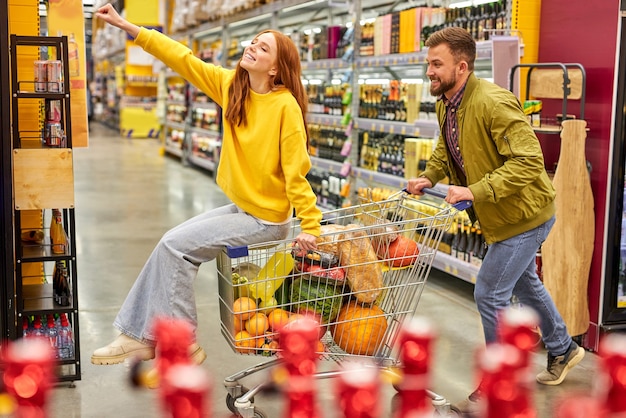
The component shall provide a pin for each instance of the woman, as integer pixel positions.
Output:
(262, 170)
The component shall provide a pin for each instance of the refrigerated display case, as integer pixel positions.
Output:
(613, 296)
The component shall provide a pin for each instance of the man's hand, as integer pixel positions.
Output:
(415, 186)
(459, 193)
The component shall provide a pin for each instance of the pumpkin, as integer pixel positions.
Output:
(360, 329)
(401, 252)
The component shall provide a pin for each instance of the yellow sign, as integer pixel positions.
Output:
(65, 17)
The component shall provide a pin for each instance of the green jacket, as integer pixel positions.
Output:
(503, 162)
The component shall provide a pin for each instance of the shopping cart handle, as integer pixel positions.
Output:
(460, 206)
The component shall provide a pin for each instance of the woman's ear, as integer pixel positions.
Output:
(273, 71)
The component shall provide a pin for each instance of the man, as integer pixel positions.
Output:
(492, 157)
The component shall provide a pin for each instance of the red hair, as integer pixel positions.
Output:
(288, 75)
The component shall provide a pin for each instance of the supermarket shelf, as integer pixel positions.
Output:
(175, 125)
(203, 105)
(455, 267)
(326, 165)
(423, 128)
(323, 119)
(39, 298)
(483, 52)
(370, 176)
(175, 103)
(202, 162)
(173, 149)
(325, 64)
(205, 132)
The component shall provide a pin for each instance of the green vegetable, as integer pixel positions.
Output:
(321, 298)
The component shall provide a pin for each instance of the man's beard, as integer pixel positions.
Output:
(443, 87)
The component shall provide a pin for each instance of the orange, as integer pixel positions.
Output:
(239, 324)
(245, 342)
(277, 318)
(243, 306)
(257, 324)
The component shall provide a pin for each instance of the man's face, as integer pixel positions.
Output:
(443, 71)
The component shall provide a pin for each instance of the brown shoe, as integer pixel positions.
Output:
(122, 348)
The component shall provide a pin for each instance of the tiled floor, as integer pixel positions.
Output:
(127, 194)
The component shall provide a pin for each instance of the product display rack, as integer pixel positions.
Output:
(43, 180)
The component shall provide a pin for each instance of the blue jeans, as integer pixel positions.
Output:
(509, 268)
(164, 286)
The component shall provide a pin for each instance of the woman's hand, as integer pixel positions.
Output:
(306, 241)
(112, 17)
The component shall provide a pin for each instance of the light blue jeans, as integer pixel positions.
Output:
(164, 286)
(509, 268)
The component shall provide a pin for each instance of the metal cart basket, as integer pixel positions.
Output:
(365, 278)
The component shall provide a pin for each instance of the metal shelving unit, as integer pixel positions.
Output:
(33, 164)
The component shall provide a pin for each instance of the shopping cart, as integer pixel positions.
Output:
(359, 286)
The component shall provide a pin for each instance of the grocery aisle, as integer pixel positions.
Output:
(127, 195)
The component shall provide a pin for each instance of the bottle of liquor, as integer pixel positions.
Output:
(416, 341)
(57, 233)
(461, 250)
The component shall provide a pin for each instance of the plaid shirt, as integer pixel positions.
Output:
(451, 127)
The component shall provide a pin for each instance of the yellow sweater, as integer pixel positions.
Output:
(262, 171)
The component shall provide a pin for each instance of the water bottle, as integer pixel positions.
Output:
(65, 339)
(52, 334)
(26, 328)
(37, 331)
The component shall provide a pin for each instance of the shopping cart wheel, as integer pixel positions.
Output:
(230, 400)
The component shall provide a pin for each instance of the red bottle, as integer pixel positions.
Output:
(29, 375)
(613, 377)
(416, 340)
(358, 391)
(298, 342)
(518, 327)
(185, 392)
(506, 382)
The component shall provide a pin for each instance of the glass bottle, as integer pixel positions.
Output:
(57, 233)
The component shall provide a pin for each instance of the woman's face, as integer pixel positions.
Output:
(260, 55)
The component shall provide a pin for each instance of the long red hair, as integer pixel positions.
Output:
(288, 75)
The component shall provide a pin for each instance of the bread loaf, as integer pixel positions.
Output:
(363, 270)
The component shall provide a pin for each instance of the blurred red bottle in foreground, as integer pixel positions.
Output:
(506, 383)
(29, 375)
(358, 391)
(416, 341)
(613, 375)
(184, 386)
(298, 342)
(518, 327)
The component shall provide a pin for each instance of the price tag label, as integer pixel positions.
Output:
(392, 129)
(403, 130)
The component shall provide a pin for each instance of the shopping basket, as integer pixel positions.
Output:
(365, 278)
